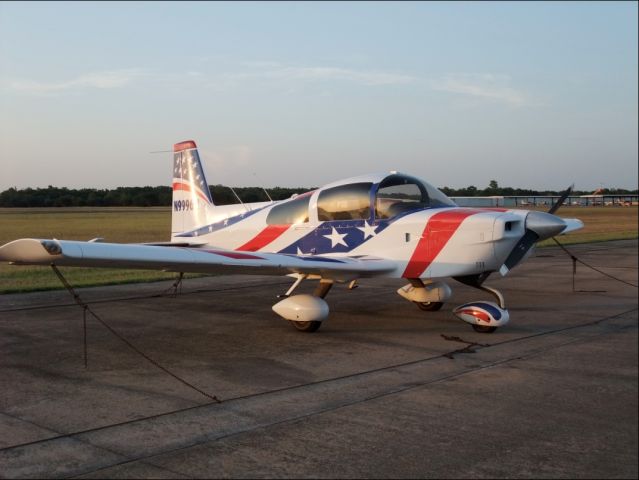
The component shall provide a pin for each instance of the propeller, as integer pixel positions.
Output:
(539, 226)
(561, 200)
(523, 245)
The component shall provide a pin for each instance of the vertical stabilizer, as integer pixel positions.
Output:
(191, 196)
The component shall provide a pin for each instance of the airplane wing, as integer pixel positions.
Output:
(32, 251)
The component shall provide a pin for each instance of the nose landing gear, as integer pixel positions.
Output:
(485, 317)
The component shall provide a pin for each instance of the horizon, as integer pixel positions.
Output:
(296, 93)
(479, 189)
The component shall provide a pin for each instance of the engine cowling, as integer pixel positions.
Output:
(487, 314)
(302, 308)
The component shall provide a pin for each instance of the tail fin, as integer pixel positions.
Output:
(191, 196)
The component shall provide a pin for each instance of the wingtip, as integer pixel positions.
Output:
(29, 251)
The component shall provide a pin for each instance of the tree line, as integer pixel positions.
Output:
(222, 195)
(493, 189)
(130, 196)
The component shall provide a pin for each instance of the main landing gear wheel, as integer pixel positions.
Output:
(430, 306)
(483, 328)
(309, 327)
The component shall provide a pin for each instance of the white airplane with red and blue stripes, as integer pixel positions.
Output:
(378, 225)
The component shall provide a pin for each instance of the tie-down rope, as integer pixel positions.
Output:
(574, 267)
(86, 309)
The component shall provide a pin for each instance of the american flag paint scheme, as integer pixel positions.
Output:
(385, 224)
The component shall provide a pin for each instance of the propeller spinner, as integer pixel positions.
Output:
(539, 226)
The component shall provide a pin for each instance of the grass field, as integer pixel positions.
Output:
(122, 225)
(600, 224)
(153, 224)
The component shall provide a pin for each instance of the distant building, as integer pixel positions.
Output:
(494, 201)
(594, 200)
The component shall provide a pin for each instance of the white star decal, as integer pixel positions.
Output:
(336, 238)
(299, 252)
(369, 230)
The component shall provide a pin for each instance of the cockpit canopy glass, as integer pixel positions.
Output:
(345, 202)
(398, 194)
(291, 212)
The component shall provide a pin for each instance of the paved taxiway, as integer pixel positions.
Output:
(381, 390)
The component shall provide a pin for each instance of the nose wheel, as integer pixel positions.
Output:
(483, 328)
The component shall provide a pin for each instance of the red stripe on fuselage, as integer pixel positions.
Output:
(438, 231)
(262, 239)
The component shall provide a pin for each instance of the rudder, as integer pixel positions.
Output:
(191, 195)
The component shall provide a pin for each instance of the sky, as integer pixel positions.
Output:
(530, 94)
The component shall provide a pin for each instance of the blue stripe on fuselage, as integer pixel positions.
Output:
(214, 227)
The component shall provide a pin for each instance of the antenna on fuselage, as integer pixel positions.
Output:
(269, 197)
(238, 197)
(264, 189)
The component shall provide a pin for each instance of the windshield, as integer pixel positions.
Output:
(398, 194)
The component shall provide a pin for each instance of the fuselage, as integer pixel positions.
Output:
(390, 216)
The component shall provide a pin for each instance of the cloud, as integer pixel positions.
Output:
(233, 157)
(257, 70)
(340, 74)
(485, 86)
(261, 64)
(101, 80)
(276, 71)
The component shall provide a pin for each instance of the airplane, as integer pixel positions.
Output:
(388, 224)
(595, 198)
